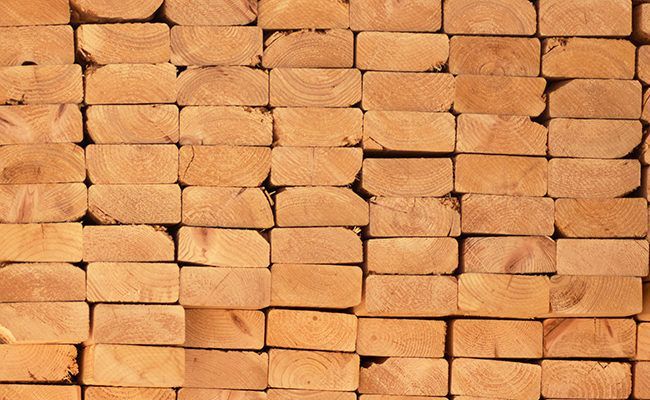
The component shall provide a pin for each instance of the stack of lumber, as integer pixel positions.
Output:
(324, 199)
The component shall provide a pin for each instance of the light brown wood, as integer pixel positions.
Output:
(491, 55)
(38, 363)
(139, 324)
(223, 165)
(237, 126)
(395, 51)
(52, 322)
(602, 257)
(640, 23)
(223, 86)
(113, 10)
(643, 64)
(41, 242)
(495, 338)
(40, 45)
(125, 393)
(239, 288)
(42, 282)
(210, 12)
(42, 203)
(293, 394)
(36, 392)
(298, 14)
(42, 163)
(140, 123)
(227, 207)
(127, 243)
(314, 87)
(316, 286)
(405, 131)
(132, 282)
(130, 84)
(588, 58)
(592, 178)
(408, 376)
(644, 314)
(222, 247)
(219, 394)
(386, 15)
(500, 134)
(216, 45)
(398, 216)
(326, 166)
(317, 127)
(506, 215)
(123, 43)
(315, 246)
(137, 366)
(407, 177)
(642, 380)
(586, 379)
(135, 204)
(585, 18)
(418, 91)
(491, 17)
(225, 329)
(584, 338)
(313, 370)
(505, 175)
(311, 330)
(37, 12)
(320, 206)
(495, 379)
(411, 256)
(384, 337)
(508, 95)
(508, 255)
(642, 341)
(225, 369)
(592, 138)
(509, 296)
(31, 124)
(307, 48)
(595, 98)
(397, 397)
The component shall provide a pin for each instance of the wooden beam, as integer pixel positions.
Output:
(223, 165)
(124, 393)
(233, 126)
(136, 123)
(223, 86)
(592, 178)
(42, 203)
(307, 48)
(225, 329)
(41, 242)
(585, 18)
(500, 94)
(427, 177)
(408, 131)
(211, 394)
(291, 166)
(506, 215)
(492, 55)
(642, 342)
(411, 256)
(135, 164)
(381, 15)
(585, 379)
(396, 51)
(293, 394)
(222, 247)
(41, 45)
(595, 98)
(127, 243)
(37, 12)
(500, 134)
(505, 175)
(41, 84)
(135, 204)
(508, 255)
(51, 322)
(495, 338)
(130, 84)
(123, 43)
(241, 288)
(495, 379)
(38, 363)
(590, 338)
(319, 206)
(36, 392)
(225, 369)
(210, 12)
(227, 207)
(41, 123)
(414, 216)
(593, 138)
(313, 370)
(405, 376)
(42, 282)
(216, 45)
(132, 282)
(470, 17)
(641, 380)
(314, 87)
(316, 127)
(387, 337)
(565, 58)
(315, 246)
(602, 257)
(299, 14)
(418, 92)
(42, 163)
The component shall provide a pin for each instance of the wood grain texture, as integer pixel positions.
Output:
(588, 58)
(491, 55)
(508, 95)
(225, 329)
(317, 127)
(124, 393)
(132, 282)
(495, 378)
(219, 394)
(506, 215)
(495, 338)
(314, 87)
(388, 51)
(418, 91)
(140, 123)
(298, 14)
(32, 124)
(40, 45)
(602, 257)
(492, 17)
(131, 84)
(414, 216)
(223, 165)
(237, 126)
(388, 15)
(222, 247)
(226, 369)
(584, 338)
(313, 370)
(334, 245)
(384, 337)
(508, 254)
(123, 43)
(306, 48)
(295, 394)
(42, 203)
(601, 218)
(140, 243)
(500, 134)
(210, 12)
(35, 392)
(38, 363)
(135, 204)
(42, 323)
(113, 10)
(216, 45)
(592, 138)
(411, 256)
(239, 288)
(223, 86)
(586, 379)
(407, 177)
(407, 376)
(408, 131)
(320, 206)
(585, 18)
(331, 166)
(641, 379)
(41, 242)
(595, 98)
(592, 178)
(42, 282)
(38, 12)
(227, 207)
(42, 163)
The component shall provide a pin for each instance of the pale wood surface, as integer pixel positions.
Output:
(313, 370)
(42, 163)
(124, 43)
(592, 138)
(505, 215)
(32, 124)
(38, 12)
(495, 338)
(41, 84)
(41, 242)
(335, 245)
(408, 376)
(585, 18)
(407, 177)
(491, 17)
(210, 12)
(132, 164)
(36, 392)
(411, 256)
(595, 98)
(239, 288)
(379, 15)
(38, 363)
(298, 14)
(39, 323)
(508, 254)
(132, 282)
(387, 51)
(127, 243)
(414, 216)
(42, 203)
(222, 247)
(223, 86)
(592, 178)
(124, 393)
(42, 282)
(500, 134)
(226, 329)
(418, 92)
(408, 131)
(497, 379)
(314, 87)
(476, 55)
(306, 48)
(113, 10)
(237, 126)
(588, 58)
(602, 257)
(317, 127)
(332, 166)
(223, 165)
(216, 45)
(590, 338)
(138, 123)
(135, 204)
(320, 206)
(131, 84)
(227, 207)
(586, 379)
(38, 44)
(500, 95)
(383, 337)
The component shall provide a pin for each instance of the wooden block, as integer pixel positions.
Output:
(140, 123)
(314, 87)
(642, 380)
(495, 338)
(602, 257)
(216, 45)
(314, 370)
(592, 178)
(384, 337)
(418, 92)
(405, 376)
(222, 247)
(36, 392)
(124, 393)
(240, 288)
(493, 17)
(42, 282)
(315, 286)
(132, 164)
(414, 216)
(395, 51)
(52, 322)
(315, 246)
(405, 131)
(292, 166)
(237, 126)
(584, 338)
(642, 341)
(225, 329)
(398, 397)
(307, 48)
(142, 324)
(226, 369)
(644, 315)
(501, 295)
(135, 204)
(593, 138)
(585, 18)
(500, 94)
(219, 394)
(410, 296)
(131, 84)
(31, 124)
(132, 282)
(298, 14)
(320, 206)
(505, 175)
(411, 256)
(407, 177)
(506, 215)
(595, 98)
(42, 203)
(41, 84)
(500, 134)
(492, 55)
(40, 45)
(495, 379)
(586, 379)
(293, 394)
(385, 15)
(588, 58)
(42, 163)
(643, 64)
(113, 10)
(124, 43)
(227, 207)
(224, 165)
(127, 243)
(595, 296)
(223, 86)
(311, 330)
(641, 23)
(38, 363)
(137, 366)
(317, 127)
(508, 255)
(210, 12)
(37, 12)
(41, 242)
